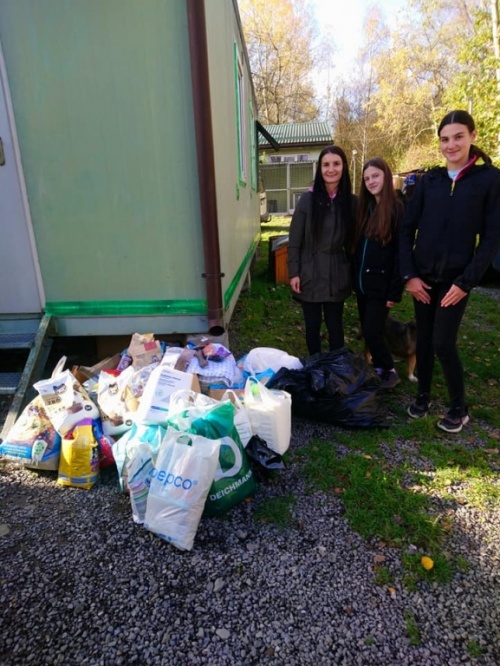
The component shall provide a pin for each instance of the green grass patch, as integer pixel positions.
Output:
(383, 498)
(376, 503)
(412, 630)
(276, 511)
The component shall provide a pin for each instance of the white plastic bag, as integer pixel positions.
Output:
(260, 359)
(139, 474)
(241, 417)
(270, 413)
(184, 471)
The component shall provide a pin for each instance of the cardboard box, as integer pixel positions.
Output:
(216, 393)
(163, 381)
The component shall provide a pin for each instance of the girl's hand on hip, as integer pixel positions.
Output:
(453, 296)
(418, 289)
(295, 284)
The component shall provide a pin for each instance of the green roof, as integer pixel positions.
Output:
(293, 134)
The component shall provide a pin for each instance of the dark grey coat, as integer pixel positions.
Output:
(322, 265)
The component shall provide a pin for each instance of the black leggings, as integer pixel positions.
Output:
(372, 316)
(313, 314)
(437, 330)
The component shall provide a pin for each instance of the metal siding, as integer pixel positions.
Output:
(237, 206)
(102, 99)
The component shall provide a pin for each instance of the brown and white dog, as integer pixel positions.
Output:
(402, 340)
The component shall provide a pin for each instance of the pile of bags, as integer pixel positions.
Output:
(180, 453)
(186, 427)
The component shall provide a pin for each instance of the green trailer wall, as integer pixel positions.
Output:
(101, 93)
(237, 199)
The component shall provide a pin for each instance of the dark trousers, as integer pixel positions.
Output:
(372, 316)
(437, 330)
(313, 315)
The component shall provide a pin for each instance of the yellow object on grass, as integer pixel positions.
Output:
(427, 563)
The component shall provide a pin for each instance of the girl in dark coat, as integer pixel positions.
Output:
(318, 265)
(449, 237)
(377, 281)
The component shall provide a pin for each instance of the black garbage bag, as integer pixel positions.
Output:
(337, 387)
(263, 460)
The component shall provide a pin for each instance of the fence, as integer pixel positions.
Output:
(284, 183)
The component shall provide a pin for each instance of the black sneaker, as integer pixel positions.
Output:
(389, 379)
(420, 407)
(454, 421)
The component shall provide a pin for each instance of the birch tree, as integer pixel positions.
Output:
(279, 37)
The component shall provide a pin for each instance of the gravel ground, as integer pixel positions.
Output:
(82, 584)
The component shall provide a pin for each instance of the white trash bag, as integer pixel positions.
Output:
(260, 359)
(184, 471)
(270, 413)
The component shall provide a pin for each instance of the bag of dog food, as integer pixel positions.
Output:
(65, 400)
(33, 440)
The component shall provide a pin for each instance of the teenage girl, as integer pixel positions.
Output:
(377, 281)
(449, 237)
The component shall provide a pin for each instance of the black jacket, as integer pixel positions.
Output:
(450, 218)
(321, 263)
(376, 266)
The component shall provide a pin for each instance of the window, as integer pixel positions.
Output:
(303, 158)
(240, 117)
(275, 158)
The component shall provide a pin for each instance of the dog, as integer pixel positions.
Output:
(402, 340)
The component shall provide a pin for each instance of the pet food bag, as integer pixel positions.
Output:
(270, 413)
(79, 461)
(33, 440)
(65, 400)
(180, 483)
(111, 401)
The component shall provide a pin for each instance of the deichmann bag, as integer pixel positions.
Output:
(270, 413)
(180, 482)
(234, 480)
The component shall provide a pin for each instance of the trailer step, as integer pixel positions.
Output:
(9, 381)
(16, 340)
(39, 352)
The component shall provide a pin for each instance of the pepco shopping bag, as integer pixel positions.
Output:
(184, 471)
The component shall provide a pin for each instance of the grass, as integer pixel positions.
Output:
(385, 498)
(277, 511)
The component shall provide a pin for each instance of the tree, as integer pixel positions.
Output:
(279, 39)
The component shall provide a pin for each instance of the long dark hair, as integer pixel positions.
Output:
(464, 118)
(320, 197)
(376, 220)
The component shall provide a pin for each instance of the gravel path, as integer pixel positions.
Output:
(82, 584)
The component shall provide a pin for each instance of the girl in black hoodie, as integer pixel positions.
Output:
(449, 237)
(377, 281)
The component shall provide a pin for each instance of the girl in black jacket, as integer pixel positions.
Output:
(442, 260)
(377, 281)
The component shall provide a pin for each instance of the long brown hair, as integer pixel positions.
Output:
(376, 220)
